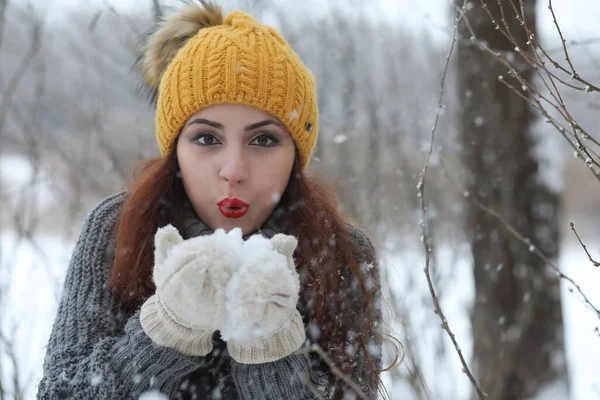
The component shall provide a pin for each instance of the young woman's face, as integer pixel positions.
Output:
(233, 151)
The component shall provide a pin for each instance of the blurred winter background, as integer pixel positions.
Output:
(72, 125)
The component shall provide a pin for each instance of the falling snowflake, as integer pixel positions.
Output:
(96, 379)
(340, 139)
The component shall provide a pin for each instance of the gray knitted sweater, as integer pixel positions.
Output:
(95, 351)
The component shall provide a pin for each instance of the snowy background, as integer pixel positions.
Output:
(50, 189)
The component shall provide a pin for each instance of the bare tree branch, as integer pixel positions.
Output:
(574, 73)
(3, 7)
(128, 21)
(336, 371)
(424, 220)
(596, 263)
(306, 382)
(575, 43)
(156, 11)
(36, 42)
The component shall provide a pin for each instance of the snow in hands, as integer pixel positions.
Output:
(255, 281)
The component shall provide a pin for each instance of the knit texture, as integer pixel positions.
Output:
(239, 62)
(271, 348)
(190, 277)
(97, 352)
(165, 331)
(263, 293)
(94, 350)
(205, 281)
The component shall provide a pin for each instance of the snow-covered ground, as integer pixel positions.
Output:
(446, 379)
(420, 331)
(31, 300)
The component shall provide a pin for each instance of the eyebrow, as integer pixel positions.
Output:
(248, 128)
(261, 124)
(206, 122)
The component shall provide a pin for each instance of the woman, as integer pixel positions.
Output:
(185, 284)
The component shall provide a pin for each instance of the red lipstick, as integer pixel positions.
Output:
(233, 208)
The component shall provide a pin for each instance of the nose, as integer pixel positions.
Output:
(234, 169)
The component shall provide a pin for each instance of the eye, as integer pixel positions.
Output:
(205, 139)
(264, 140)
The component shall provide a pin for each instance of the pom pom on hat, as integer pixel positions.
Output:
(172, 33)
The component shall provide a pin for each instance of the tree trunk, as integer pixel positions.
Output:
(373, 190)
(518, 344)
(347, 184)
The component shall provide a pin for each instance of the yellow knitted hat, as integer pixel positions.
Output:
(196, 59)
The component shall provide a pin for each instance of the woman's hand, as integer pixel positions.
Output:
(261, 300)
(191, 277)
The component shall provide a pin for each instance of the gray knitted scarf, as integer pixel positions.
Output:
(193, 226)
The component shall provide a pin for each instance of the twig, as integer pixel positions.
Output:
(574, 73)
(596, 263)
(306, 382)
(94, 21)
(36, 40)
(156, 11)
(415, 376)
(421, 195)
(3, 6)
(128, 21)
(336, 371)
(575, 43)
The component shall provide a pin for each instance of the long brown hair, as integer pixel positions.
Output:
(324, 251)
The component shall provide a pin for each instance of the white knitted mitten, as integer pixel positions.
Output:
(191, 277)
(263, 324)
